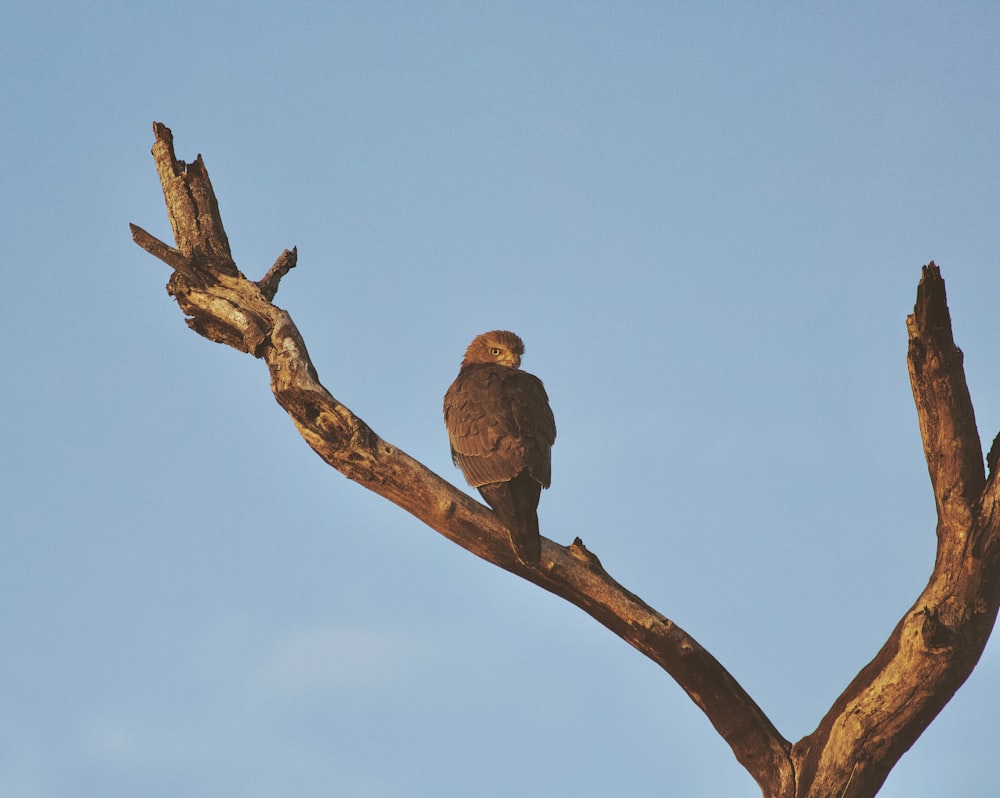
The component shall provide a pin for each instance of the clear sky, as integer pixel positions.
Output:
(707, 221)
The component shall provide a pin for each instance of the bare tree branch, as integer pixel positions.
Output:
(947, 421)
(286, 262)
(935, 646)
(225, 307)
(884, 709)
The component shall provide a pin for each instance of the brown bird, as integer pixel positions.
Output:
(501, 431)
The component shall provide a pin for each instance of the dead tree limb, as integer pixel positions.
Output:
(936, 645)
(927, 657)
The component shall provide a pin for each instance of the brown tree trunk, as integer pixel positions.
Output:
(931, 652)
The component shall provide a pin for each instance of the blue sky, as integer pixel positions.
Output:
(707, 221)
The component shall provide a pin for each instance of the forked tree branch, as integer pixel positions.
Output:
(936, 645)
(884, 709)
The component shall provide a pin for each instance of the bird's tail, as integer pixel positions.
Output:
(515, 504)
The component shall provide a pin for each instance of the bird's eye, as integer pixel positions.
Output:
(494, 351)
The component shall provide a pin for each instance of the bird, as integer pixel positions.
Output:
(501, 430)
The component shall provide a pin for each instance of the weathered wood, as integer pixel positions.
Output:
(938, 642)
(944, 409)
(285, 263)
(884, 709)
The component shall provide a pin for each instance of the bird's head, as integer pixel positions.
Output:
(497, 346)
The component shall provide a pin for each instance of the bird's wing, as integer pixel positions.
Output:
(485, 443)
(532, 418)
(499, 423)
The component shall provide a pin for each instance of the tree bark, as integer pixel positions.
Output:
(936, 645)
(884, 709)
